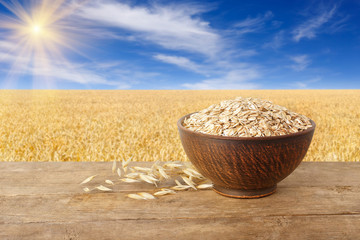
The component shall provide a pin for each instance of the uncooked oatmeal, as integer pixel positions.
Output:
(247, 117)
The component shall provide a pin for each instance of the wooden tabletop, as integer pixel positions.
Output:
(45, 201)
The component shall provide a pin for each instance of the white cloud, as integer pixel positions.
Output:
(52, 73)
(112, 74)
(300, 84)
(306, 83)
(310, 27)
(301, 62)
(338, 25)
(234, 79)
(48, 72)
(253, 24)
(171, 26)
(5, 56)
(6, 45)
(72, 74)
(49, 69)
(179, 27)
(276, 23)
(277, 41)
(180, 62)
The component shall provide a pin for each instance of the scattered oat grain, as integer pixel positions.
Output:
(88, 179)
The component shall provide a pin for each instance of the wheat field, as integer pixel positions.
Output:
(94, 125)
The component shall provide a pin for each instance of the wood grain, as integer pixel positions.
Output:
(44, 201)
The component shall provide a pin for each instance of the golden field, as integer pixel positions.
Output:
(93, 125)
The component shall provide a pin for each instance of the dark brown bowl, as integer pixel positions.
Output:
(245, 167)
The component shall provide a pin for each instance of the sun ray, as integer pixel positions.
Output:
(17, 9)
(40, 32)
(21, 61)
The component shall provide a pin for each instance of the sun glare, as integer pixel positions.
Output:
(39, 32)
(36, 29)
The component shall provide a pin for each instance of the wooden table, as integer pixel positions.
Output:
(45, 201)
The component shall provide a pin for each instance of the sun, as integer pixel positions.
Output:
(36, 29)
(40, 31)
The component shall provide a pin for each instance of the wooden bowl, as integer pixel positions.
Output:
(245, 167)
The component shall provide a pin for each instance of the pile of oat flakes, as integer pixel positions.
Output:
(247, 117)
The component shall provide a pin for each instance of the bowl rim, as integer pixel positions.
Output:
(181, 120)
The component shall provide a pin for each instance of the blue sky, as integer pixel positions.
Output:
(108, 44)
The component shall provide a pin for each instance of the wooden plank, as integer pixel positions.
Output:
(273, 227)
(113, 206)
(44, 200)
(63, 177)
